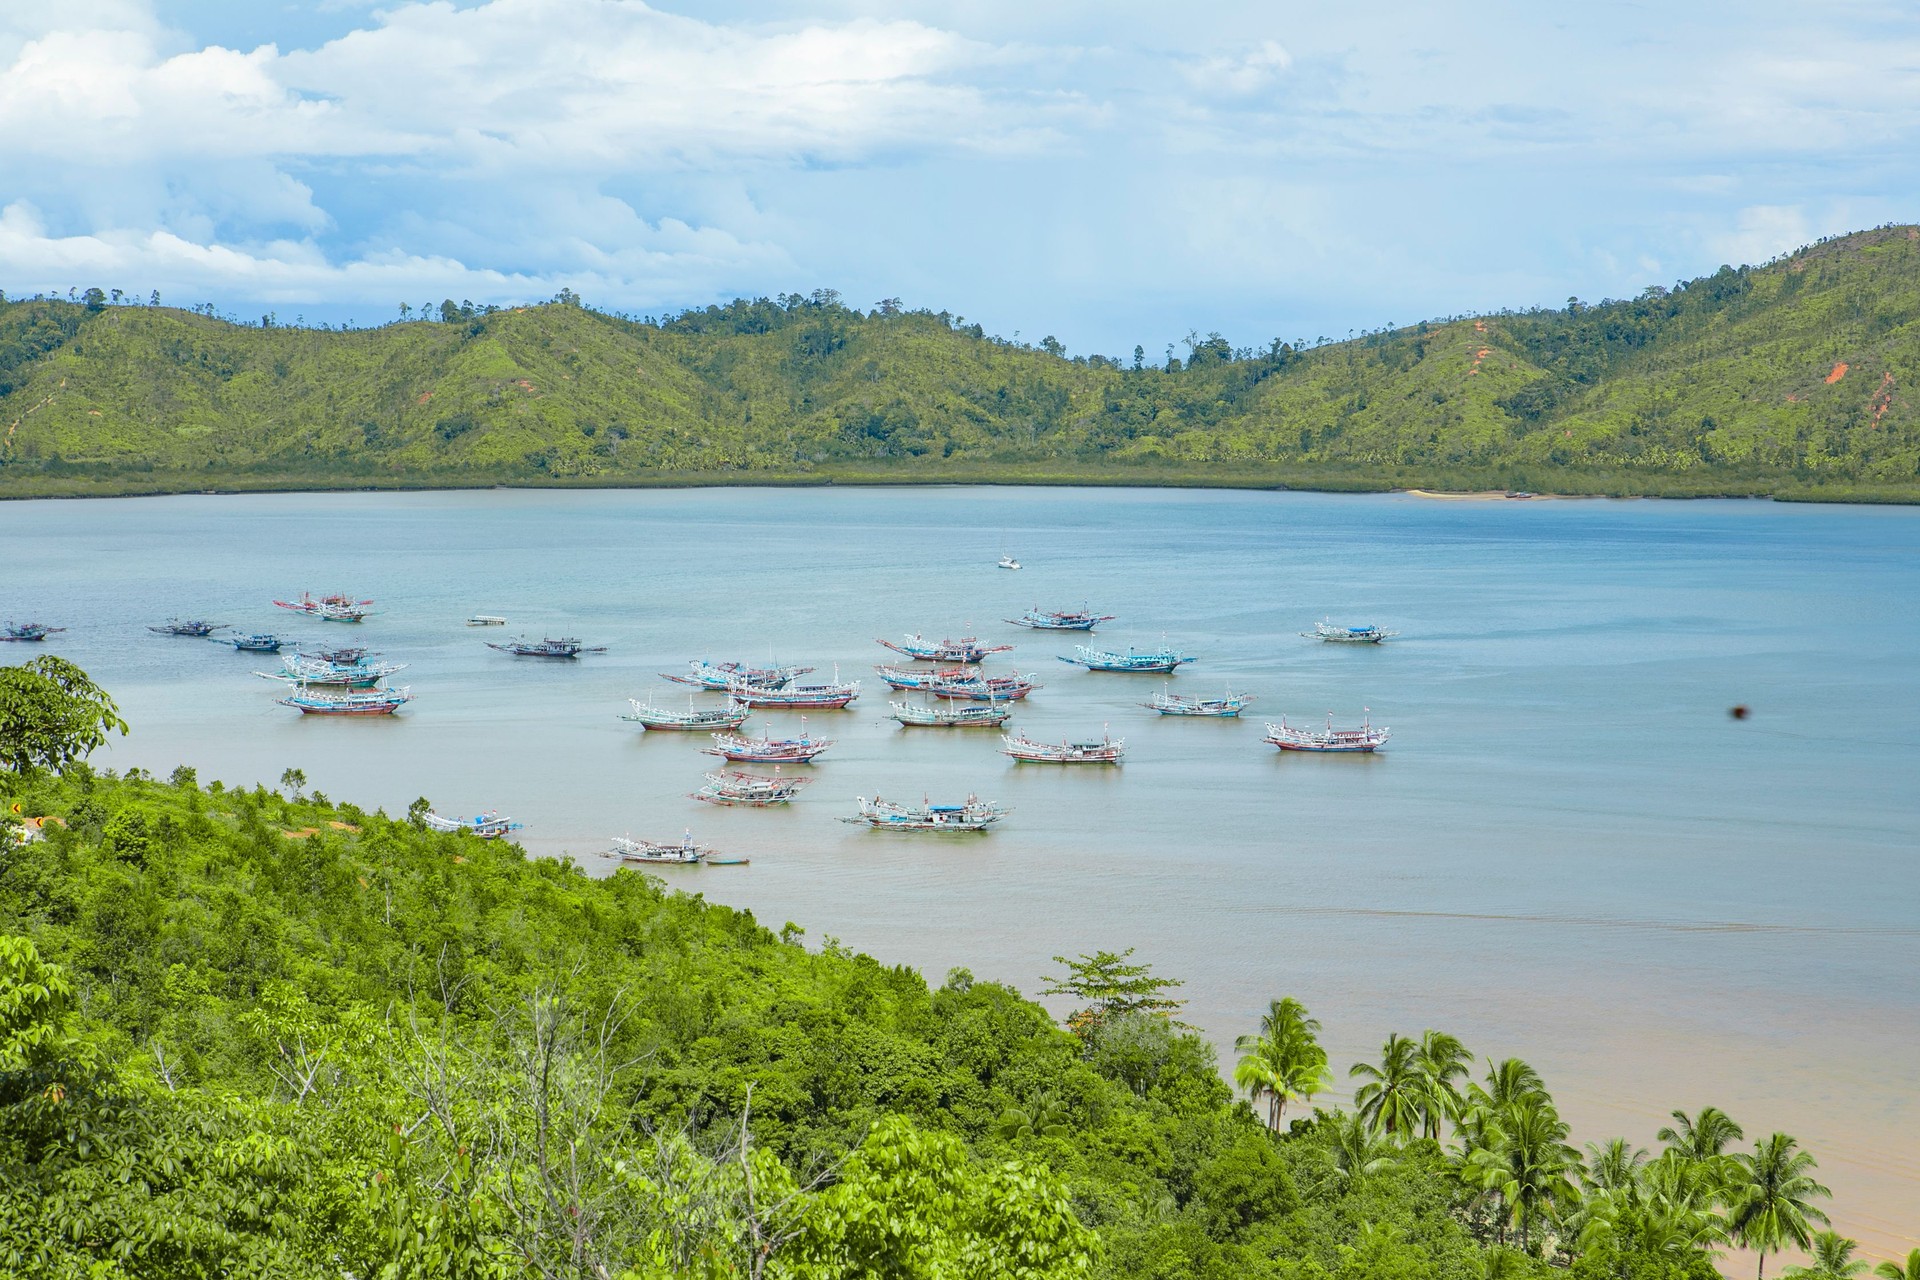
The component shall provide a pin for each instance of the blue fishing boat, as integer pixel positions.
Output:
(717, 676)
(967, 649)
(974, 814)
(487, 826)
(193, 627)
(1158, 661)
(1179, 704)
(1060, 619)
(251, 644)
(28, 631)
(563, 647)
(1324, 630)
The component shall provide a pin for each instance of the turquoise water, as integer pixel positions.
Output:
(1570, 851)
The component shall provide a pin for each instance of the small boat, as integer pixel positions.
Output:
(1160, 661)
(193, 627)
(737, 786)
(712, 861)
(1024, 750)
(648, 716)
(991, 716)
(487, 826)
(718, 675)
(1324, 630)
(486, 620)
(1008, 562)
(263, 643)
(683, 852)
(363, 672)
(355, 702)
(339, 657)
(885, 815)
(967, 649)
(1060, 619)
(1330, 739)
(338, 607)
(1178, 704)
(797, 696)
(28, 631)
(768, 750)
(564, 647)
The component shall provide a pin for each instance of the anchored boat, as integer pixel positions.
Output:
(961, 684)
(486, 620)
(1008, 562)
(967, 649)
(1177, 704)
(564, 647)
(1324, 630)
(1107, 750)
(1060, 619)
(263, 643)
(28, 631)
(1161, 661)
(991, 716)
(683, 852)
(338, 607)
(488, 826)
(362, 702)
(193, 627)
(737, 786)
(1329, 739)
(885, 815)
(362, 671)
(648, 716)
(716, 676)
(808, 697)
(767, 750)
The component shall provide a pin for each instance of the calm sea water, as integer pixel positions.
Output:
(1571, 852)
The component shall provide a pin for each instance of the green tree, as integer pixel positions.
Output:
(1525, 1161)
(51, 714)
(1442, 1062)
(1391, 1100)
(1111, 987)
(1358, 1150)
(1770, 1200)
(1283, 1059)
(1896, 1271)
(1832, 1259)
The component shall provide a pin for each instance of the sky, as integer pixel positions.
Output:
(1108, 172)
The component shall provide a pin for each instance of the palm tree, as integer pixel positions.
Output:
(1283, 1059)
(1510, 1082)
(1442, 1060)
(1894, 1271)
(1358, 1151)
(1525, 1160)
(1704, 1138)
(1613, 1167)
(1044, 1117)
(1832, 1259)
(1390, 1100)
(1770, 1200)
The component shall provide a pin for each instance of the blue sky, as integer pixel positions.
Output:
(1110, 173)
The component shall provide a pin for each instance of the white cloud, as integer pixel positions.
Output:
(1241, 73)
(1761, 232)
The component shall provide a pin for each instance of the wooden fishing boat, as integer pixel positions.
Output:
(1178, 704)
(30, 632)
(716, 676)
(563, 647)
(967, 649)
(768, 750)
(910, 678)
(263, 643)
(682, 852)
(1158, 661)
(991, 716)
(973, 686)
(364, 672)
(487, 826)
(693, 719)
(712, 861)
(885, 815)
(338, 607)
(737, 786)
(362, 702)
(1060, 619)
(1329, 739)
(809, 697)
(1024, 750)
(1324, 630)
(486, 620)
(193, 627)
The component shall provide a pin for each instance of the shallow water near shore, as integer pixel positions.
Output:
(1570, 851)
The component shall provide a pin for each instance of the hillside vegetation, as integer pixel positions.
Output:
(1791, 379)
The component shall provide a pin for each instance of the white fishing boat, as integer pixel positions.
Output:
(1168, 703)
(1365, 738)
(1324, 630)
(1008, 562)
(486, 620)
(693, 719)
(1107, 750)
(683, 852)
(487, 826)
(970, 716)
(886, 815)
(737, 786)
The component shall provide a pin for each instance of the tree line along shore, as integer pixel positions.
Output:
(272, 1034)
(1789, 380)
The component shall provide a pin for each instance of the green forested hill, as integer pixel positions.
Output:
(1789, 379)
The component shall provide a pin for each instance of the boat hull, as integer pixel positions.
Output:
(377, 709)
